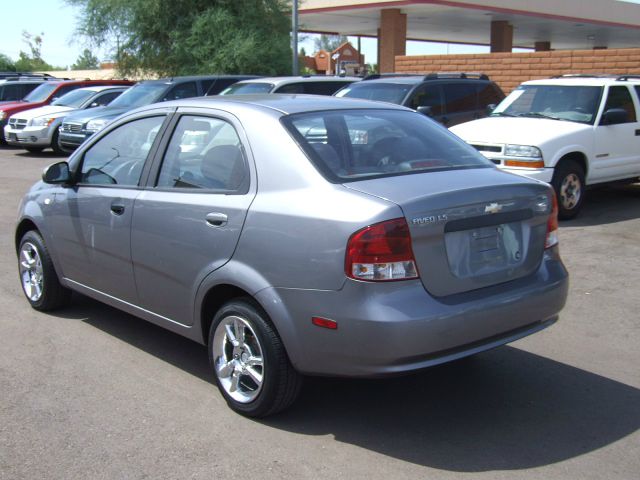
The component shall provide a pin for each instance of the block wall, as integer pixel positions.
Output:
(510, 69)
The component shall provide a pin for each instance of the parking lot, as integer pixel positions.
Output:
(91, 392)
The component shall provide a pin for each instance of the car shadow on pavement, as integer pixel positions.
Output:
(610, 204)
(502, 410)
(45, 154)
(506, 409)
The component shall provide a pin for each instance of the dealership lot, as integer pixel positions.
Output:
(90, 392)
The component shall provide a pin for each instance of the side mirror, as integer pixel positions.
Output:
(94, 105)
(614, 116)
(57, 174)
(490, 108)
(425, 110)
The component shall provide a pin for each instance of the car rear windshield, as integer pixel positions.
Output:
(382, 92)
(247, 88)
(74, 98)
(41, 93)
(140, 95)
(349, 145)
(574, 103)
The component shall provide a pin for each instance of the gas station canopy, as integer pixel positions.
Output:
(566, 24)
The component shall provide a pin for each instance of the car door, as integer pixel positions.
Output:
(187, 222)
(617, 147)
(91, 220)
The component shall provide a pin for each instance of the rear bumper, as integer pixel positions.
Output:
(386, 329)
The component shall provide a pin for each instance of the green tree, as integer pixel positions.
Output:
(329, 42)
(33, 60)
(6, 64)
(183, 37)
(86, 61)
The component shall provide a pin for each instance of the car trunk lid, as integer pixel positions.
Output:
(469, 228)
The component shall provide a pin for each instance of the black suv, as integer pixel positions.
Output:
(449, 98)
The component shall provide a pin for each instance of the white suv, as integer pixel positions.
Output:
(572, 131)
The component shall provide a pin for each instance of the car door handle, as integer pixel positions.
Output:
(216, 219)
(117, 208)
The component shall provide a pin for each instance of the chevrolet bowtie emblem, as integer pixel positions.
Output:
(493, 208)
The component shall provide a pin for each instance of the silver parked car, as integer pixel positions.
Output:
(296, 235)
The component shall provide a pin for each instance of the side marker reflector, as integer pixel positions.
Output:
(324, 323)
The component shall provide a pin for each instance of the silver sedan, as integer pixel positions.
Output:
(296, 235)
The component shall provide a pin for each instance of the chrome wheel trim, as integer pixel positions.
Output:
(570, 191)
(238, 359)
(31, 272)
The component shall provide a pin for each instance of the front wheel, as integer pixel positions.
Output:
(38, 277)
(251, 367)
(55, 144)
(568, 183)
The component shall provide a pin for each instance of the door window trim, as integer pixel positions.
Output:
(79, 160)
(158, 161)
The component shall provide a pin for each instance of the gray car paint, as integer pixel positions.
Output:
(286, 248)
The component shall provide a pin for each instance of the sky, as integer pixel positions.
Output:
(57, 22)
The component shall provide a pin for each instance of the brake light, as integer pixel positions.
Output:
(552, 224)
(381, 252)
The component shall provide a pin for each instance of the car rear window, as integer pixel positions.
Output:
(349, 145)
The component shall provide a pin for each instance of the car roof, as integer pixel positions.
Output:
(191, 78)
(591, 80)
(100, 88)
(285, 104)
(277, 81)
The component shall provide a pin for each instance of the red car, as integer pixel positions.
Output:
(45, 94)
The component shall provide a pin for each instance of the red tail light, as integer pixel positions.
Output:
(381, 252)
(552, 224)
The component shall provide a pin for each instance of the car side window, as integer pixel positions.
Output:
(291, 88)
(118, 157)
(620, 97)
(323, 88)
(428, 96)
(460, 97)
(204, 153)
(106, 99)
(66, 89)
(12, 92)
(488, 94)
(183, 90)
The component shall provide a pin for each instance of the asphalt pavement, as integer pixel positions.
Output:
(89, 392)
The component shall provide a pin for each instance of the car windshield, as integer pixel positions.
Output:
(247, 88)
(572, 103)
(351, 145)
(140, 95)
(383, 92)
(74, 98)
(41, 93)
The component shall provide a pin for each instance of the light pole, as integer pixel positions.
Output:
(294, 37)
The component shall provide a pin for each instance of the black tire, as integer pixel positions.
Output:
(55, 145)
(52, 294)
(280, 383)
(34, 149)
(568, 183)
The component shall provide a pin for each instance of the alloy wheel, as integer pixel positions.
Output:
(238, 359)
